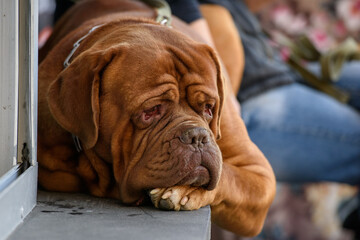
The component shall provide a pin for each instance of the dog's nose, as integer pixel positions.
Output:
(195, 136)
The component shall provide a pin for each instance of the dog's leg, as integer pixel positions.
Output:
(97, 175)
(60, 181)
(57, 169)
(247, 184)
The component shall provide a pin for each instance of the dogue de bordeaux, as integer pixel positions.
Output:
(149, 107)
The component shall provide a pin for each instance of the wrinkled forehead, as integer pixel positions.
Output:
(151, 42)
(153, 56)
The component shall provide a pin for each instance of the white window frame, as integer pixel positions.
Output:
(18, 186)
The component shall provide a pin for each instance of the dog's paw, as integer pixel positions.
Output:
(180, 198)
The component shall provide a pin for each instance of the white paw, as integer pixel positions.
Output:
(177, 198)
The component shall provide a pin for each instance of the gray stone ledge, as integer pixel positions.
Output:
(76, 216)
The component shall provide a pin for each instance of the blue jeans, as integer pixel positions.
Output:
(306, 135)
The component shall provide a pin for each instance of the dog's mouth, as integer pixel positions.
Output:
(202, 154)
(205, 173)
(199, 177)
(195, 158)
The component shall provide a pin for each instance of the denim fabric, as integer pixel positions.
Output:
(349, 80)
(306, 135)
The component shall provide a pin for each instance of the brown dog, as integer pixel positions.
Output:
(145, 100)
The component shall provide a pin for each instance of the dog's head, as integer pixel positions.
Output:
(146, 99)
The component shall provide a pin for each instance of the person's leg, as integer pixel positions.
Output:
(306, 135)
(349, 80)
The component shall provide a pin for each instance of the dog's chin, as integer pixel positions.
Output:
(199, 177)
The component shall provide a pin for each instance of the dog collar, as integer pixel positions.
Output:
(163, 11)
(77, 143)
(76, 45)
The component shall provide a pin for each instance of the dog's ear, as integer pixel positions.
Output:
(73, 97)
(215, 123)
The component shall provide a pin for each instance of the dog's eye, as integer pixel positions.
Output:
(151, 112)
(208, 111)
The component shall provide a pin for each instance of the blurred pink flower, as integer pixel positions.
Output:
(285, 53)
(319, 20)
(323, 27)
(285, 19)
(356, 7)
(321, 39)
(340, 30)
(349, 12)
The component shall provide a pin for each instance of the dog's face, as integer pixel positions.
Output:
(146, 99)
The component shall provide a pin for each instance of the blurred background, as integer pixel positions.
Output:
(326, 22)
(312, 211)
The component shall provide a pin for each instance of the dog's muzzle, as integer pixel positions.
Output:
(206, 172)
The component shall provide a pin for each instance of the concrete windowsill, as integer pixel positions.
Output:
(77, 216)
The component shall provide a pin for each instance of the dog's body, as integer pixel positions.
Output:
(145, 101)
